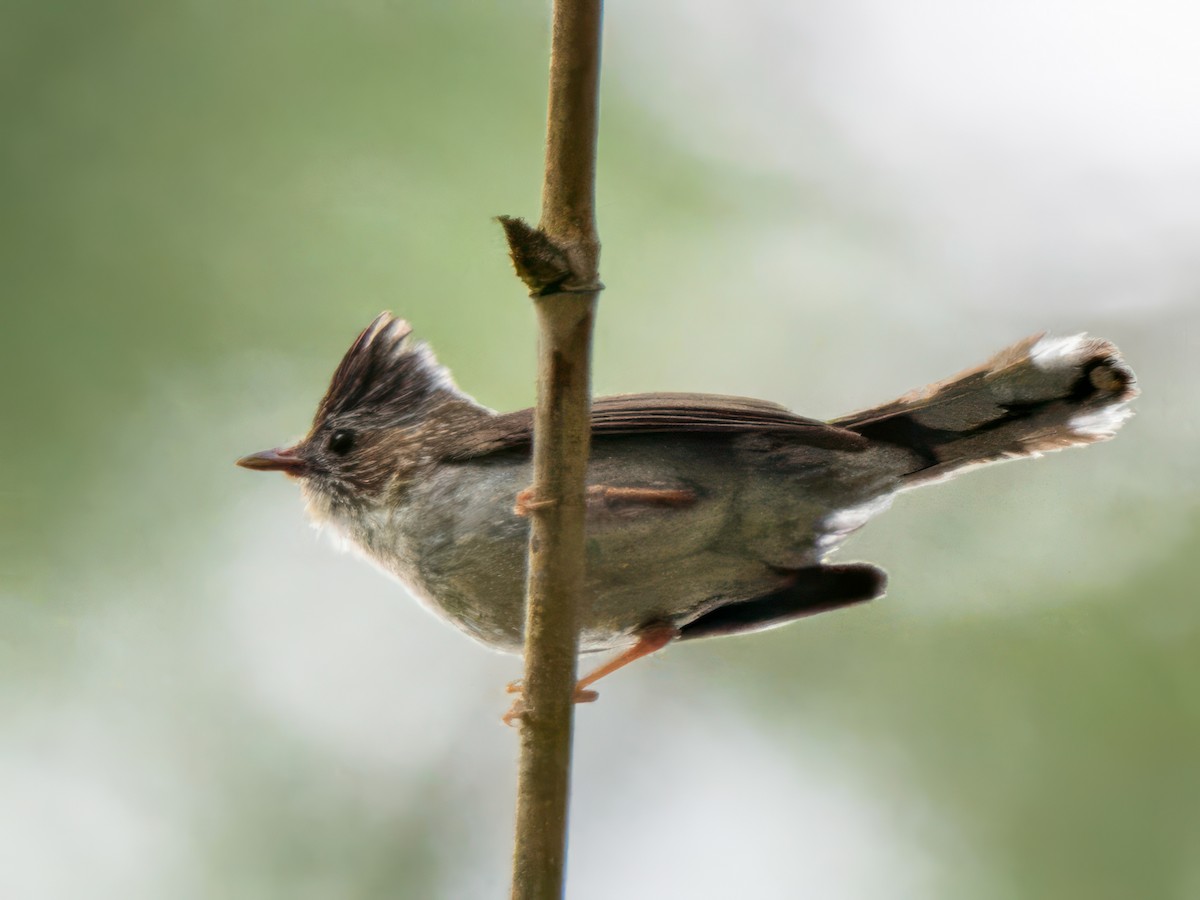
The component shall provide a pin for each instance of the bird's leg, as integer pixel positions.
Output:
(650, 639)
(605, 497)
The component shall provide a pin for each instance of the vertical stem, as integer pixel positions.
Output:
(556, 567)
(562, 436)
(569, 183)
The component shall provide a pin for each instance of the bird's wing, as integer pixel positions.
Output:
(637, 414)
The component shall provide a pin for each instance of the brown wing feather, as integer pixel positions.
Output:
(628, 414)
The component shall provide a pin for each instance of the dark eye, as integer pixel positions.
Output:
(341, 442)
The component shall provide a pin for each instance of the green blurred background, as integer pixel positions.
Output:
(825, 205)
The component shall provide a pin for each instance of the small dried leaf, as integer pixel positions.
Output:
(538, 261)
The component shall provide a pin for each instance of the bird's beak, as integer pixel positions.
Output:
(279, 460)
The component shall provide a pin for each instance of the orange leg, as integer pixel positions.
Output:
(650, 640)
(634, 496)
(612, 497)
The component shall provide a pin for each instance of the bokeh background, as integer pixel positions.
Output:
(821, 203)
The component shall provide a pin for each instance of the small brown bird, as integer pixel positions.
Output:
(707, 515)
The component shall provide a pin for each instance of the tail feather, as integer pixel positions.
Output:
(1041, 394)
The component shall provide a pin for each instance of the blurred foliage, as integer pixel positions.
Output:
(203, 202)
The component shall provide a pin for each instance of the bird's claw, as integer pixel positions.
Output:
(527, 503)
(516, 711)
(518, 708)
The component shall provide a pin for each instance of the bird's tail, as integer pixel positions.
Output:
(1041, 394)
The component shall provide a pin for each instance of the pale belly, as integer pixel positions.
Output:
(460, 548)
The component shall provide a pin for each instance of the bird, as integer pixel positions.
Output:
(706, 515)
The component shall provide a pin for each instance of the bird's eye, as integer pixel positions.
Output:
(341, 442)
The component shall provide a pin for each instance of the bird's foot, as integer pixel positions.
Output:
(527, 503)
(518, 708)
